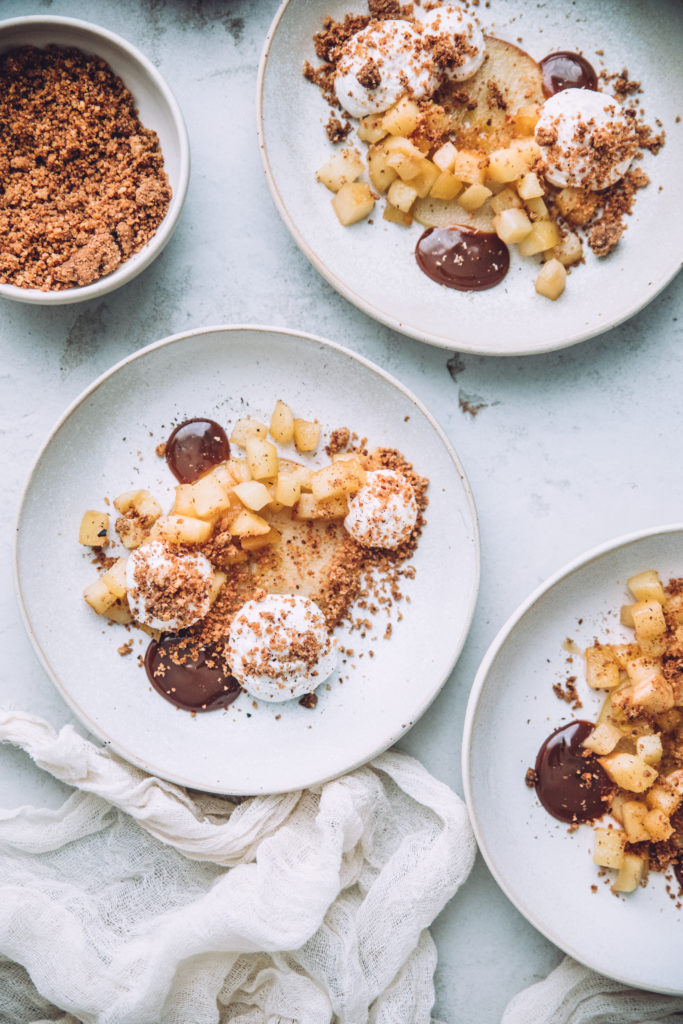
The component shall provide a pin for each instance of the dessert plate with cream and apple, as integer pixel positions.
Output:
(572, 758)
(250, 532)
(452, 170)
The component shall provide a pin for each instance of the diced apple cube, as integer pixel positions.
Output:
(308, 507)
(245, 429)
(529, 187)
(396, 216)
(139, 502)
(425, 179)
(526, 119)
(470, 166)
(209, 497)
(302, 474)
(446, 186)
(353, 202)
(629, 772)
(512, 225)
(248, 524)
(264, 540)
(181, 530)
(282, 423)
(663, 796)
(602, 671)
(649, 747)
(119, 612)
(631, 873)
(99, 596)
(371, 128)
(544, 235)
(404, 157)
(650, 625)
(653, 694)
(609, 847)
(603, 739)
(646, 586)
(306, 435)
(658, 825)
(444, 158)
(381, 174)
(183, 504)
(262, 459)
(576, 205)
(337, 479)
(253, 494)
(474, 196)
(115, 578)
(537, 209)
(569, 250)
(132, 532)
(506, 165)
(527, 149)
(506, 199)
(634, 813)
(401, 195)
(93, 528)
(341, 169)
(552, 279)
(217, 582)
(403, 118)
(287, 490)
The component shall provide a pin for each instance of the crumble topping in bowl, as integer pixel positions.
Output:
(83, 182)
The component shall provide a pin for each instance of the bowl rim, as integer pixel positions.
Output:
(140, 260)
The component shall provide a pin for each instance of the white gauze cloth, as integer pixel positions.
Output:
(573, 994)
(139, 902)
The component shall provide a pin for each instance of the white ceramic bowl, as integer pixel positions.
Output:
(157, 109)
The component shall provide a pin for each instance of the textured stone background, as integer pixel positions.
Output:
(563, 451)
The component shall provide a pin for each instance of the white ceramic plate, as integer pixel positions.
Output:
(104, 444)
(546, 871)
(373, 265)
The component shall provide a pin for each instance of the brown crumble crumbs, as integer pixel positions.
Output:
(73, 151)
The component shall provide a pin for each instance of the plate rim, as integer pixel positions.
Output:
(579, 562)
(231, 330)
(427, 337)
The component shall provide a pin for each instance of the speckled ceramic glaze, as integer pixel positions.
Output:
(373, 265)
(546, 870)
(225, 373)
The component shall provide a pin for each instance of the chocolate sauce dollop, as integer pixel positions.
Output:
(565, 70)
(194, 685)
(571, 786)
(462, 258)
(194, 447)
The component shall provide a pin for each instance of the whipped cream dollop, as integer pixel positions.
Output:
(379, 64)
(458, 48)
(586, 139)
(167, 589)
(384, 511)
(279, 647)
